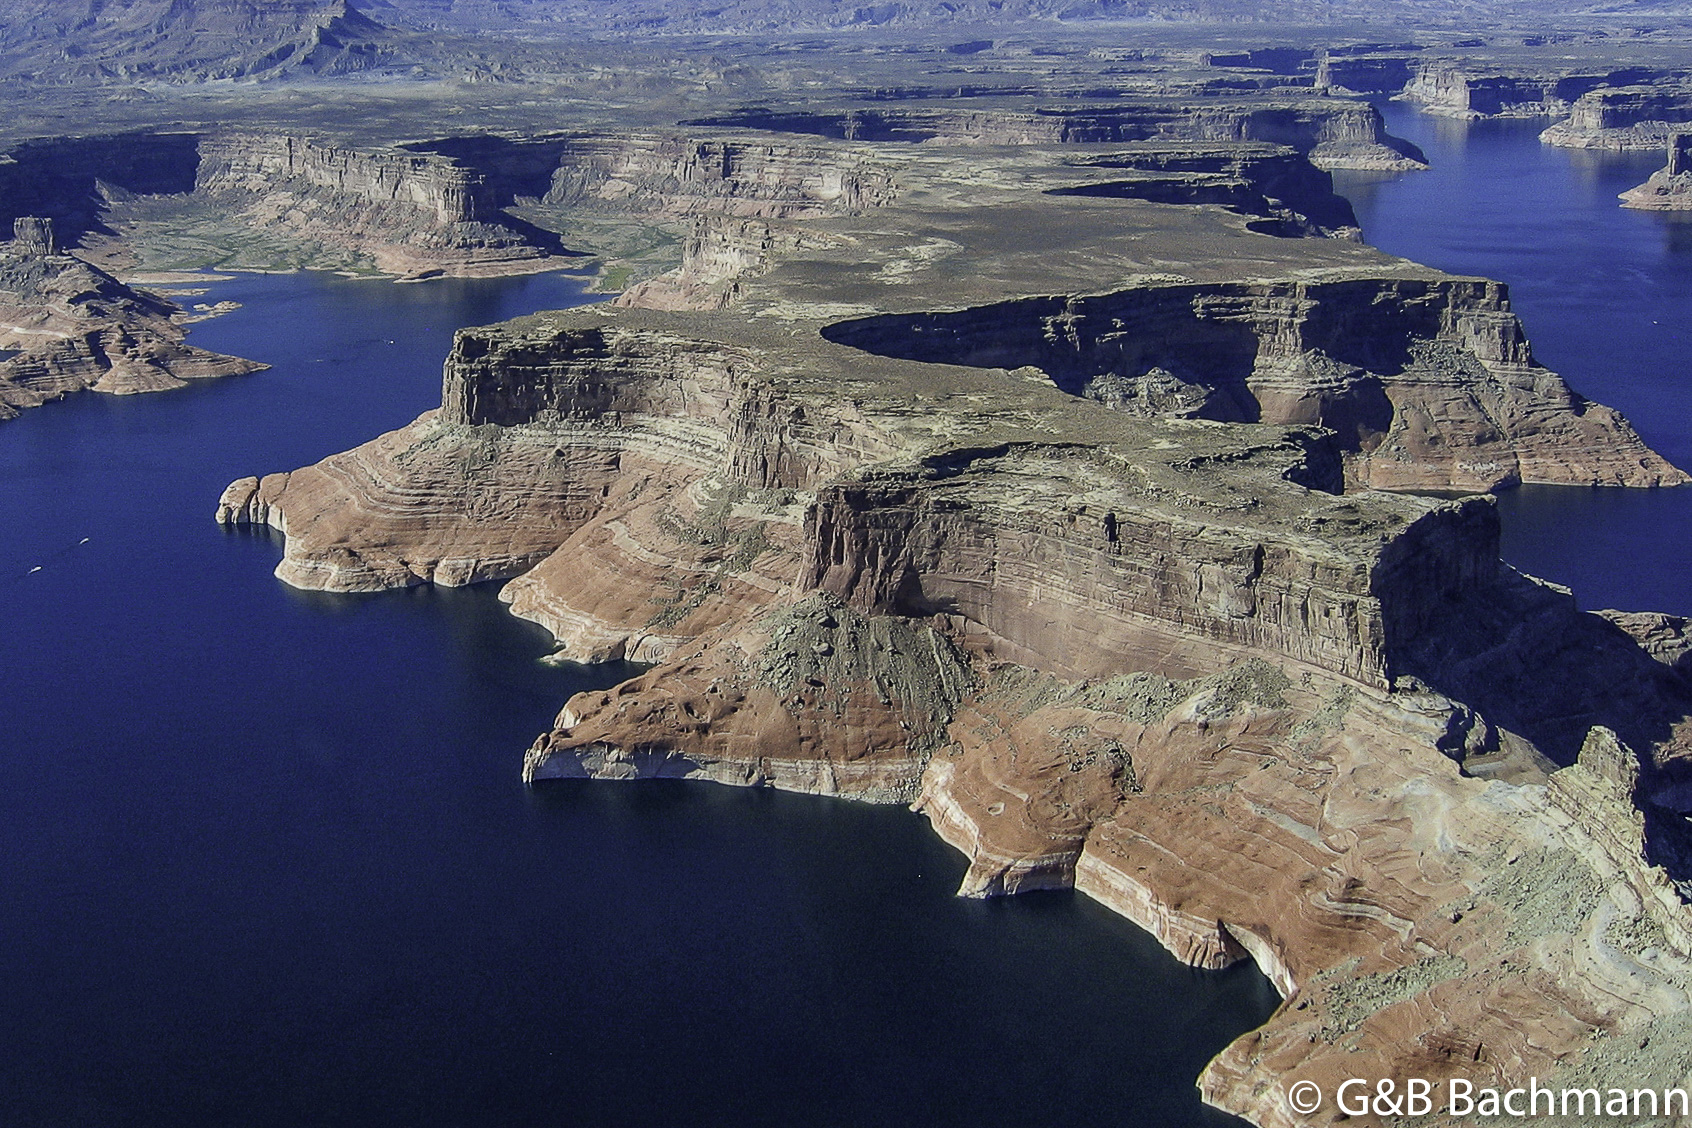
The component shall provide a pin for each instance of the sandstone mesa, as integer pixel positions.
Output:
(1046, 497)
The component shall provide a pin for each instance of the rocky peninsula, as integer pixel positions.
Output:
(66, 326)
(1670, 187)
(1042, 489)
(1625, 118)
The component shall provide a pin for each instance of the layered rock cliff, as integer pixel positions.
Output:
(1239, 791)
(1470, 88)
(441, 206)
(1427, 385)
(1093, 577)
(716, 255)
(1365, 73)
(1624, 117)
(1333, 133)
(412, 213)
(66, 326)
(1280, 190)
(1670, 187)
(1417, 921)
(682, 174)
(1275, 189)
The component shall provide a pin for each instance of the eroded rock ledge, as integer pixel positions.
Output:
(443, 206)
(1332, 132)
(1639, 117)
(66, 326)
(1092, 576)
(1670, 187)
(1427, 384)
(410, 212)
(1480, 88)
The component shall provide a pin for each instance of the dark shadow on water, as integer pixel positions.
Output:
(1677, 233)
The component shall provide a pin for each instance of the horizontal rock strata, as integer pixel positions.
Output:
(1670, 187)
(1416, 920)
(816, 697)
(1475, 88)
(488, 504)
(1094, 576)
(1629, 118)
(1284, 193)
(1427, 385)
(682, 174)
(546, 419)
(411, 212)
(66, 326)
(1334, 133)
(439, 206)
(1366, 73)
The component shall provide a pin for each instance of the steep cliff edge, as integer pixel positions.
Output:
(1628, 118)
(1273, 188)
(900, 512)
(452, 205)
(1282, 191)
(1332, 132)
(1366, 69)
(412, 213)
(691, 173)
(1276, 752)
(71, 180)
(66, 326)
(1426, 384)
(1418, 919)
(1417, 922)
(1489, 88)
(1670, 187)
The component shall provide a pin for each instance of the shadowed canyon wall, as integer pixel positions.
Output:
(1333, 133)
(433, 206)
(65, 178)
(1389, 366)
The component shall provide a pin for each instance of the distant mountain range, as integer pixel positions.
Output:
(797, 15)
(70, 40)
(750, 15)
(79, 41)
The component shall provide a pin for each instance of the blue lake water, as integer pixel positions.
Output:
(268, 861)
(1606, 296)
